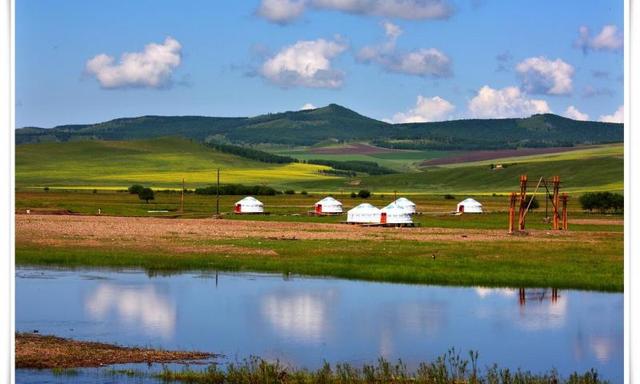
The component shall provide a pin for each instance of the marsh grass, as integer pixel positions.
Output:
(450, 368)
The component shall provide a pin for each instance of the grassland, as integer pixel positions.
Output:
(458, 250)
(160, 163)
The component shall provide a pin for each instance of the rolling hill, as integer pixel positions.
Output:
(339, 124)
(160, 163)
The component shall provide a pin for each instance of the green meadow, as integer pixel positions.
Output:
(163, 163)
(160, 163)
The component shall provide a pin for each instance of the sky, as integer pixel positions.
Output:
(81, 61)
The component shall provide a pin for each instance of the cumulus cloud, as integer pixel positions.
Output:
(505, 102)
(307, 106)
(540, 75)
(616, 117)
(151, 68)
(573, 113)
(426, 109)
(283, 11)
(609, 39)
(422, 62)
(305, 64)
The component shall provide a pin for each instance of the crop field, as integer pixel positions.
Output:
(157, 162)
(544, 155)
(398, 160)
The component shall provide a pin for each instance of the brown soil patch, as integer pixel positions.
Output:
(39, 351)
(183, 236)
(497, 154)
(597, 221)
(352, 149)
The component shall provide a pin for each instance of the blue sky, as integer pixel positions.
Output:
(397, 60)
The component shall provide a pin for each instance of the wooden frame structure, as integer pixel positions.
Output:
(552, 187)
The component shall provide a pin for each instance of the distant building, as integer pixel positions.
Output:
(328, 205)
(364, 213)
(469, 205)
(249, 205)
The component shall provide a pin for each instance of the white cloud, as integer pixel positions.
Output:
(505, 102)
(616, 117)
(284, 11)
(422, 62)
(426, 109)
(540, 75)
(150, 68)
(609, 39)
(307, 106)
(281, 11)
(306, 64)
(573, 113)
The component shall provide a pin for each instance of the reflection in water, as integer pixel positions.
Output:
(151, 311)
(301, 315)
(601, 347)
(483, 292)
(423, 317)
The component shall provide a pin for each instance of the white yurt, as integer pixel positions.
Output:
(328, 205)
(406, 204)
(469, 205)
(249, 205)
(363, 213)
(395, 214)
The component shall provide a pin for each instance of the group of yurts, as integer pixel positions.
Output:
(398, 212)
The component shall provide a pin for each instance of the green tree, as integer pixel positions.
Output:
(135, 189)
(146, 194)
(364, 194)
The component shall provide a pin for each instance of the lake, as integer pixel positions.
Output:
(303, 321)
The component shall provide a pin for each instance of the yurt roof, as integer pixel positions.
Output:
(364, 207)
(249, 199)
(329, 199)
(404, 201)
(393, 207)
(469, 200)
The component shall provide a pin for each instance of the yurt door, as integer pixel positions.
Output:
(237, 208)
(318, 208)
(383, 218)
(461, 209)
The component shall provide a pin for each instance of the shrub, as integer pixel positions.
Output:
(449, 196)
(146, 194)
(237, 189)
(535, 204)
(303, 192)
(135, 189)
(602, 201)
(289, 192)
(354, 195)
(364, 194)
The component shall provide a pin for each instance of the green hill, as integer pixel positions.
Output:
(161, 162)
(336, 123)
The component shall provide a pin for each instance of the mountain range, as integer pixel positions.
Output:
(335, 123)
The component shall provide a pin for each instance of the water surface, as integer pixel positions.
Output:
(305, 321)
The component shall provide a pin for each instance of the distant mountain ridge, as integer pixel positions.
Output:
(337, 123)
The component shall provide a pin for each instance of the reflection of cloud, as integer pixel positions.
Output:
(540, 315)
(601, 347)
(139, 306)
(303, 316)
(426, 317)
(483, 292)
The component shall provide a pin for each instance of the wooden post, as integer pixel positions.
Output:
(523, 203)
(182, 197)
(556, 202)
(512, 211)
(218, 193)
(565, 221)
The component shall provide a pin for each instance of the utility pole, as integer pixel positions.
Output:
(218, 194)
(182, 197)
